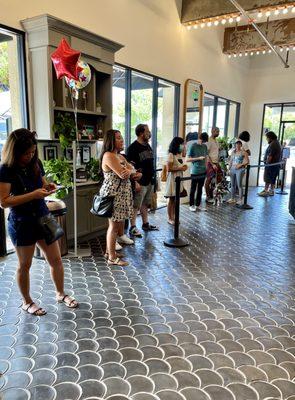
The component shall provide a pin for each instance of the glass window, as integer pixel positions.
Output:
(221, 115)
(232, 120)
(141, 101)
(288, 112)
(165, 120)
(119, 90)
(13, 113)
(208, 113)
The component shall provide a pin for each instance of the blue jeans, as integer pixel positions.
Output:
(236, 178)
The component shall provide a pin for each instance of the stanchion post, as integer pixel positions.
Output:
(282, 191)
(176, 241)
(245, 205)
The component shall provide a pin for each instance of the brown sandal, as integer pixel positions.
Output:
(106, 255)
(39, 312)
(117, 261)
(71, 304)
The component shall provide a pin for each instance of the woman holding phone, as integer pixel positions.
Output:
(23, 189)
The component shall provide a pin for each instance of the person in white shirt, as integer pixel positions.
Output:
(213, 167)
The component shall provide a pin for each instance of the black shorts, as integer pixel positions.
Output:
(24, 231)
(271, 174)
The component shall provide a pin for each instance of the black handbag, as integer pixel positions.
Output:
(48, 225)
(103, 206)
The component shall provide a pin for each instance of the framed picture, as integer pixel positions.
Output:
(68, 152)
(50, 152)
(86, 154)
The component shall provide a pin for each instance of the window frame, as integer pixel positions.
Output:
(226, 121)
(22, 62)
(156, 78)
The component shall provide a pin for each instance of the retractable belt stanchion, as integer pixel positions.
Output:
(176, 241)
(282, 191)
(245, 205)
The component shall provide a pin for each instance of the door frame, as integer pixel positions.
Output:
(282, 122)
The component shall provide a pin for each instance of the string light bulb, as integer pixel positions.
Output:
(229, 56)
(202, 25)
(277, 11)
(259, 15)
(216, 22)
(240, 54)
(281, 49)
(196, 26)
(223, 21)
(257, 52)
(269, 51)
(285, 10)
(209, 24)
(231, 20)
(246, 54)
(267, 13)
(293, 9)
(263, 52)
(235, 56)
(189, 28)
(238, 19)
(251, 54)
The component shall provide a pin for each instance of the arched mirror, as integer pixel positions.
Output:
(193, 106)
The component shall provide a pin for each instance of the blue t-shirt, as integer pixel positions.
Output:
(197, 150)
(23, 180)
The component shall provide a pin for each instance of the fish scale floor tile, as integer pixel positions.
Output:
(214, 320)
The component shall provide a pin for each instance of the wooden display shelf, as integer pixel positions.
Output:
(63, 109)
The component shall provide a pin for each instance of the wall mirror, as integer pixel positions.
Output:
(193, 106)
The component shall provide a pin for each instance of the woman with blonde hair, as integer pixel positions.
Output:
(23, 189)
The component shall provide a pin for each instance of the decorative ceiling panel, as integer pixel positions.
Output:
(245, 38)
(194, 10)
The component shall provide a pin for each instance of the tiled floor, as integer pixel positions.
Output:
(213, 321)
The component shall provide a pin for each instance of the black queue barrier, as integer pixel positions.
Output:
(245, 205)
(178, 242)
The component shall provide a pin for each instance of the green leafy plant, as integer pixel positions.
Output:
(65, 128)
(223, 143)
(60, 172)
(93, 170)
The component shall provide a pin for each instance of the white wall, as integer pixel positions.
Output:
(154, 39)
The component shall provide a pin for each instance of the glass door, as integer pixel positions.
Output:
(13, 102)
(279, 118)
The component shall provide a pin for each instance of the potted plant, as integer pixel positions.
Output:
(60, 172)
(65, 128)
(93, 170)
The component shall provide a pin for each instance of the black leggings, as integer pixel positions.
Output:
(198, 182)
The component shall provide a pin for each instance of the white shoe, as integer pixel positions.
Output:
(124, 239)
(193, 208)
(118, 247)
(210, 201)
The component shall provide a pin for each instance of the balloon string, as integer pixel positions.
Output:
(74, 99)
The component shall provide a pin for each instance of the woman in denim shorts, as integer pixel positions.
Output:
(23, 189)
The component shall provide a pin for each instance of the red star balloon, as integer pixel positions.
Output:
(65, 61)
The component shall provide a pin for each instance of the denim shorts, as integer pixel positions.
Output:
(24, 231)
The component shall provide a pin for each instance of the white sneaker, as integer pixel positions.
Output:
(118, 246)
(124, 239)
(210, 201)
(193, 208)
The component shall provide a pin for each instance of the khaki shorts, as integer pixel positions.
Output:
(144, 197)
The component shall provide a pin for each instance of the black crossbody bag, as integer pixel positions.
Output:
(50, 228)
(103, 206)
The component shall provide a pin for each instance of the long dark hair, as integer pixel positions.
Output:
(174, 145)
(17, 143)
(109, 143)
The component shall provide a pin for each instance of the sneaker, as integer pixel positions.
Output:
(124, 239)
(133, 231)
(231, 201)
(271, 193)
(193, 208)
(263, 193)
(210, 201)
(200, 208)
(118, 247)
(239, 202)
(147, 227)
